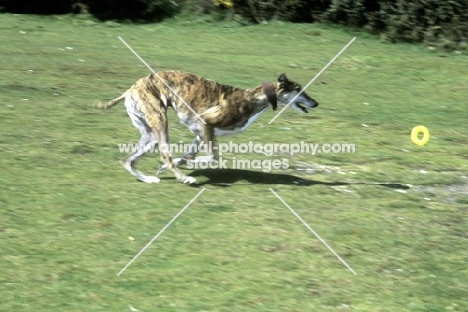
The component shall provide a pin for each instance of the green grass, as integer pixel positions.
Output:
(394, 211)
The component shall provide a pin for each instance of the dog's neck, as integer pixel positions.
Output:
(261, 96)
(270, 92)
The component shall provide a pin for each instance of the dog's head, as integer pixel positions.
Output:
(288, 90)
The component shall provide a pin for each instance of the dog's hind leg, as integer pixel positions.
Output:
(166, 157)
(206, 137)
(189, 155)
(157, 121)
(146, 144)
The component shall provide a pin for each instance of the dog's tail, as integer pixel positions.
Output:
(107, 105)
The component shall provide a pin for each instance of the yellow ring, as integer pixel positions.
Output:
(416, 131)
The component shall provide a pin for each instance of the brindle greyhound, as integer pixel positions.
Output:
(226, 110)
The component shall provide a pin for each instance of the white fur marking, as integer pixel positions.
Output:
(164, 99)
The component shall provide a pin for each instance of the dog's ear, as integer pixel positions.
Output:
(282, 79)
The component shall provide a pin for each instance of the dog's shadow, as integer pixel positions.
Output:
(229, 177)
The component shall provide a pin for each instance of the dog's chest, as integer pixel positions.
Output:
(240, 127)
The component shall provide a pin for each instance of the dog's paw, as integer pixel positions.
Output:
(177, 162)
(151, 179)
(162, 169)
(189, 180)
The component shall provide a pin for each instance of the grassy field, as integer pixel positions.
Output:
(72, 218)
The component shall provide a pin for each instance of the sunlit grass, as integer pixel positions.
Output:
(72, 218)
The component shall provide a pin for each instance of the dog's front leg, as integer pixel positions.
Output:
(209, 138)
(210, 148)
